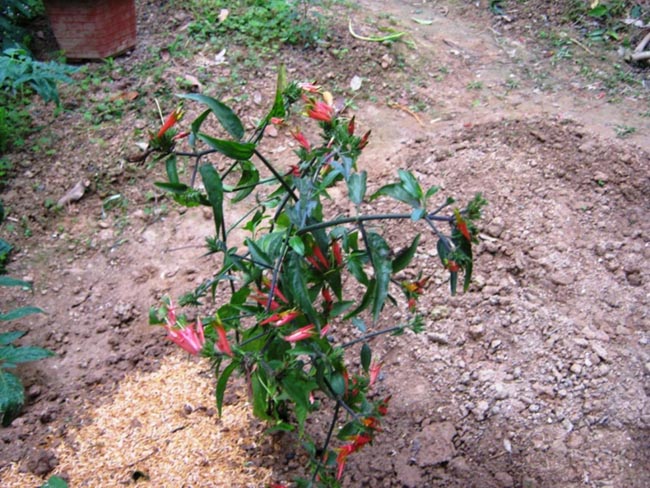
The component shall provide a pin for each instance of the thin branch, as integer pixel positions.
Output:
(372, 335)
(326, 444)
(276, 174)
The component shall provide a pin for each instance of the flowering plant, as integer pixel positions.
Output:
(282, 299)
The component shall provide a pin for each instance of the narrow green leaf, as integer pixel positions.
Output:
(417, 214)
(405, 256)
(396, 191)
(222, 383)
(357, 187)
(297, 245)
(260, 396)
(410, 184)
(366, 356)
(175, 188)
(339, 307)
(224, 114)
(214, 187)
(383, 269)
(250, 176)
(12, 397)
(453, 281)
(23, 354)
(360, 324)
(278, 103)
(443, 251)
(9, 281)
(298, 286)
(19, 313)
(258, 254)
(365, 301)
(172, 170)
(232, 149)
(196, 126)
(9, 337)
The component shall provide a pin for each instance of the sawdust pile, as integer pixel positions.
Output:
(160, 430)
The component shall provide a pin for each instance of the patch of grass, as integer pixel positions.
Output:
(475, 85)
(623, 131)
(261, 25)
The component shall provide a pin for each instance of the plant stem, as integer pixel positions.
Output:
(372, 335)
(276, 174)
(364, 218)
(326, 444)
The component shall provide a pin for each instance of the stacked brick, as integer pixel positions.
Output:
(93, 29)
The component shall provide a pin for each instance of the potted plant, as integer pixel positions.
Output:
(93, 29)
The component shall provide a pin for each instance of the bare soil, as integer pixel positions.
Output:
(538, 377)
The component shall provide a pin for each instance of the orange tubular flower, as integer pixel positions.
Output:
(351, 126)
(281, 318)
(359, 441)
(174, 117)
(375, 369)
(462, 225)
(301, 139)
(301, 334)
(190, 337)
(222, 344)
(309, 87)
(364, 140)
(453, 266)
(321, 111)
(336, 251)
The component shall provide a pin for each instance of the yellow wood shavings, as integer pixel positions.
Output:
(146, 435)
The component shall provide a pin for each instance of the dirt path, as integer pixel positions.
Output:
(537, 378)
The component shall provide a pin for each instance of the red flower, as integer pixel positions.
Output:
(364, 140)
(359, 441)
(336, 251)
(301, 334)
(301, 139)
(317, 259)
(351, 126)
(189, 337)
(453, 266)
(309, 87)
(222, 344)
(461, 225)
(320, 110)
(281, 318)
(383, 406)
(174, 117)
(375, 369)
(277, 120)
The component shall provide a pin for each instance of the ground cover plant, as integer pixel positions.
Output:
(284, 327)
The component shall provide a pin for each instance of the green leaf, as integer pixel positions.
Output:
(599, 11)
(24, 354)
(172, 170)
(224, 114)
(12, 397)
(396, 191)
(443, 251)
(298, 287)
(410, 184)
(430, 192)
(232, 149)
(260, 396)
(337, 383)
(9, 281)
(214, 187)
(297, 245)
(9, 337)
(339, 307)
(2, 212)
(366, 356)
(298, 388)
(250, 176)
(417, 214)
(19, 313)
(357, 187)
(258, 254)
(453, 281)
(222, 383)
(360, 324)
(175, 188)
(383, 269)
(278, 103)
(405, 256)
(196, 126)
(55, 482)
(365, 301)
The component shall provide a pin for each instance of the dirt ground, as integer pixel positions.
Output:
(538, 377)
